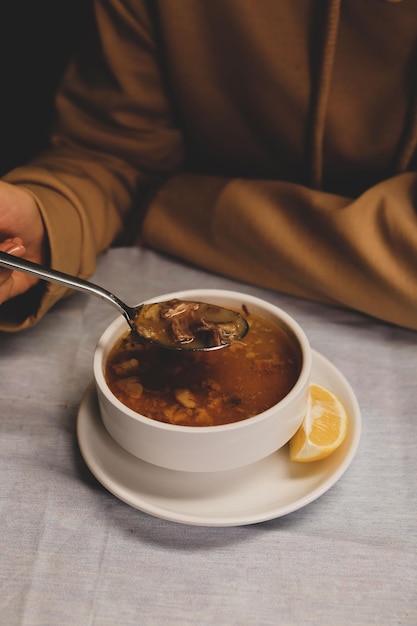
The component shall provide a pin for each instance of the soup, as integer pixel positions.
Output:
(205, 388)
(189, 325)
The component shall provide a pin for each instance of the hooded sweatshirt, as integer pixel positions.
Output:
(273, 142)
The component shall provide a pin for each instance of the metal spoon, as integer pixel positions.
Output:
(216, 327)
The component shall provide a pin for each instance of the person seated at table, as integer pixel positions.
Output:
(272, 142)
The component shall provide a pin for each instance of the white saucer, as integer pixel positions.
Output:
(270, 488)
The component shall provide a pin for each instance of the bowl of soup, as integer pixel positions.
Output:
(208, 411)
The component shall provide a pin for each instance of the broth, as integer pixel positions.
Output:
(205, 388)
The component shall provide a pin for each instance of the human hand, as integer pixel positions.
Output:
(22, 233)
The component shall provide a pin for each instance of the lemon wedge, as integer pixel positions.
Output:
(323, 429)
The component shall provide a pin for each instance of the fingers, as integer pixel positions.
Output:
(22, 234)
(7, 284)
(13, 246)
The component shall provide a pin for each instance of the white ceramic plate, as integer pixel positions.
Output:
(264, 490)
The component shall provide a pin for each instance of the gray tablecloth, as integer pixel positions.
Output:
(73, 553)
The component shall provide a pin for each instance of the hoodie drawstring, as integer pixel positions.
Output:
(408, 142)
(322, 94)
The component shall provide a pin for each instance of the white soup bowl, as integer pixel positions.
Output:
(206, 448)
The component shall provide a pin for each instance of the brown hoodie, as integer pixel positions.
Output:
(274, 142)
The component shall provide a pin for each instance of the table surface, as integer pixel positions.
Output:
(73, 553)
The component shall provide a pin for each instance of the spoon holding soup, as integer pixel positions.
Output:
(174, 324)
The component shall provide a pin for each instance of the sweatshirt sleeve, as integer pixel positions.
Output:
(359, 253)
(113, 139)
